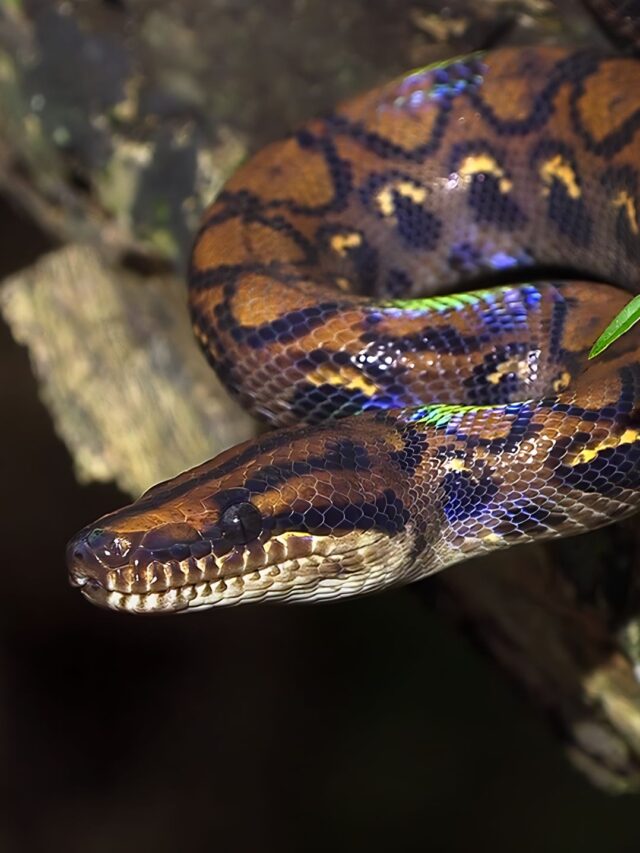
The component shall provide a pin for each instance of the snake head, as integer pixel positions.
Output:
(304, 513)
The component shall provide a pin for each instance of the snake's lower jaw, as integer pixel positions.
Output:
(325, 568)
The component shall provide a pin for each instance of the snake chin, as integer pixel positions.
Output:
(290, 567)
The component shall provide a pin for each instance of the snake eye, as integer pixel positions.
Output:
(240, 523)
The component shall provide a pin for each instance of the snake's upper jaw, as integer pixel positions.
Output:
(290, 567)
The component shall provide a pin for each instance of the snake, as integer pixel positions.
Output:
(407, 288)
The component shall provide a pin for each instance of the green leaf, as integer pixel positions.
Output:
(620, 324)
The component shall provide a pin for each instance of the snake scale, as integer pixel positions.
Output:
(415, 431)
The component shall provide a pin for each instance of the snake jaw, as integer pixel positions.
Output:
(295, 567)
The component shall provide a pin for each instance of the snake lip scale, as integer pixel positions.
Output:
(177, 584)
(413, 430)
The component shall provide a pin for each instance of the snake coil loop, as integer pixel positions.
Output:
(415, 430)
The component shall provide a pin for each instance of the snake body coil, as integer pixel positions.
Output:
(420, 430)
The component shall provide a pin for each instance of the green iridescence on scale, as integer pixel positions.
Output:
(448, 302)
(441, 414)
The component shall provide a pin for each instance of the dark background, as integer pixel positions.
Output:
(369, 724)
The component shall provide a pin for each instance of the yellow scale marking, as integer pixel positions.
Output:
(341, 243)
(627, 203)
(562, 382)
(560, 169)
(347, 377)
(517, 366)
(476, 164)
(588, 454)
(384, 197)
(455, 465)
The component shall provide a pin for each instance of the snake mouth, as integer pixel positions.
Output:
(289, 567)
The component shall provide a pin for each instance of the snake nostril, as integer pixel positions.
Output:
(87, 550)
(75, 551)
(80, 561)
